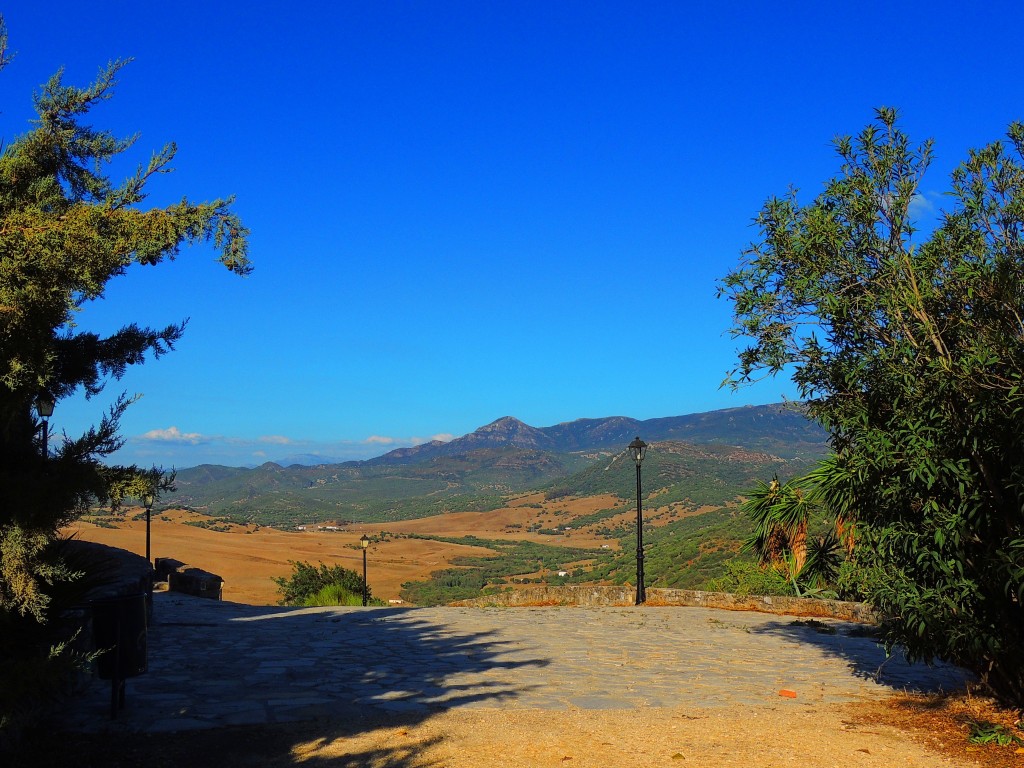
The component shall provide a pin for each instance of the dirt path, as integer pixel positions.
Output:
(857, 735)
(635, 738)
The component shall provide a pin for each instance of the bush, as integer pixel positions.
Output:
(336, 594)
(747, 578)
(857, 582)
(308, 581)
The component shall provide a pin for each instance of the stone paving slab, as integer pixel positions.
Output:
(213, 664)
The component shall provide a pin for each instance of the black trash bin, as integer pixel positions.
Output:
(119, 629)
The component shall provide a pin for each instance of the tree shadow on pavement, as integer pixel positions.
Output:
(319, 744)
(859, 647)
(304, 681)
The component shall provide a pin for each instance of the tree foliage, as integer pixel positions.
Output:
(306, 581)
(66, 230)
(909, 349)
(783, 514)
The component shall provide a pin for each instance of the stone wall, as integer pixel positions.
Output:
(189, 580)
(597, 596)
(196, 582)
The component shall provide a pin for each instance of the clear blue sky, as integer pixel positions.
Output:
(465, 210)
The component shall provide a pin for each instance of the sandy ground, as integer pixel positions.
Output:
(904, 732)
(627, 739)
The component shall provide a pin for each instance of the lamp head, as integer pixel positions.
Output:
(148, 499)
(44, 405)
(364, 541)
(638, 449)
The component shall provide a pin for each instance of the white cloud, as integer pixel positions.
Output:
(175, 435)
(276, 440)
(925, 205)
(172, 446)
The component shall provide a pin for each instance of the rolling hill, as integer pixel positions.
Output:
(706, 458)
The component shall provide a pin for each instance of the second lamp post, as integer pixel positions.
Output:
(147, 502)
(638, 449)
(364, 542)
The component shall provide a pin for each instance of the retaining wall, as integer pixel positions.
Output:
(597, 596)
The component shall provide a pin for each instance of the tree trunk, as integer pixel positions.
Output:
(798, 546)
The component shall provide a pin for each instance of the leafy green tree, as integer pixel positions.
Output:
(909, 349)
(66, 230)
(307, 581)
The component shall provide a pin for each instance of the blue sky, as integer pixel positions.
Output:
(466, 210)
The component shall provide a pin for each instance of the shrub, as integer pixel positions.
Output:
(747, 578)
(336, 594)
(308, 581)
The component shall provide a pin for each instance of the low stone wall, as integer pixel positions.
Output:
(188, 580)
(597, 596)
(196, 582)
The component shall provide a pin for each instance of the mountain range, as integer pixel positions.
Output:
(708, 458)
(705, 457)
(780, 429)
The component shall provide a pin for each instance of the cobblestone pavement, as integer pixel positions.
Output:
(213, 664)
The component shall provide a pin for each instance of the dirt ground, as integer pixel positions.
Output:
(909, 732)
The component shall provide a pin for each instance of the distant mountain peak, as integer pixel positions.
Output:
(510, 427)
(507, 430)
(505, 422)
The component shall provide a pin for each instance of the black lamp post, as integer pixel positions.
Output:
(364, 542)
(44, 407)
(147, 501)
(638, 449)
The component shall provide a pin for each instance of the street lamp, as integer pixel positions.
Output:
(44, 407)
(147, 502)
(638, 449)
(364, 542)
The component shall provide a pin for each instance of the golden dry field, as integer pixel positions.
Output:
(248, 556)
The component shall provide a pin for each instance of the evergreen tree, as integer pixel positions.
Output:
(66, 229)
